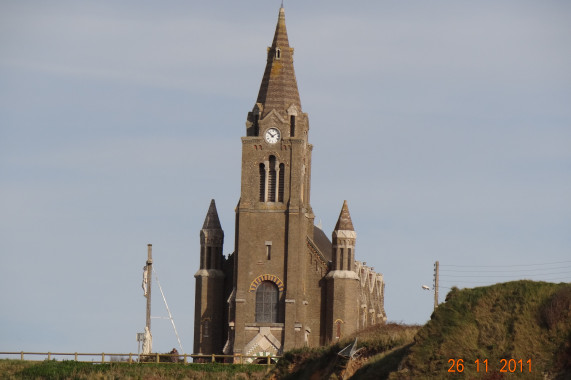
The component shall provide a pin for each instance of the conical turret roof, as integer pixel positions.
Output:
(212, 222)
(279, 87)
(344, 222)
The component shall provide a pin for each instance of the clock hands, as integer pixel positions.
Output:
(272, 135)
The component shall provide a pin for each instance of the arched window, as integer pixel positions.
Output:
(262, 183)
(272, 180)
(350, 259)
(208, 257)
(267, 302)
(205, 328)
(256, 124)
(278, 53)
(281, 186)
(338, 324)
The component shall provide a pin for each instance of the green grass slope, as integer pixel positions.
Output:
(503, 323)
(68, 370)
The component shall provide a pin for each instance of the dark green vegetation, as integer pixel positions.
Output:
(516, 320)
(64, 370)
(521, 320)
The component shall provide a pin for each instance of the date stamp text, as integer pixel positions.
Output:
(505, 365)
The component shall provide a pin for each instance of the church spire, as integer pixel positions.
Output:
(212, 222)
(344, 222)
(278, 89)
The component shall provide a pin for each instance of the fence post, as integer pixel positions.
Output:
(49, 356)
(185, 358)
(268, 359)
(158, 357)
(22, 355)
(213, 358)
(130, 358)
(76, 356)
(102, 357)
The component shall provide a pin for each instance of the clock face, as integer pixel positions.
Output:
(272, 135)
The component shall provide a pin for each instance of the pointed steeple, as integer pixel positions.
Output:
(212, 222)
(344, 222)
(279, 87)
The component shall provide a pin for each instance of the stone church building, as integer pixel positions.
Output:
(286, 285)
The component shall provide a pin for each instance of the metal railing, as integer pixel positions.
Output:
(100, 358)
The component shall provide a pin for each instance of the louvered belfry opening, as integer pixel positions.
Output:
(281, 183)
(262, 183)
(267, 302)
(272, 180)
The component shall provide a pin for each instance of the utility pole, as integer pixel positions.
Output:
(436, 265)
(148, 278)
(146, 337)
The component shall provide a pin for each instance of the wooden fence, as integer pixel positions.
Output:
(140, 358)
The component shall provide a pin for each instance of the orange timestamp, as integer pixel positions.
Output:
(506, 365)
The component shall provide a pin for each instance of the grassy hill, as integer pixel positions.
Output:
(515, 326)
(516, 320)
(502, 323)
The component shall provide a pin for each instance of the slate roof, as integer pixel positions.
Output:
(212, 222)
(344, 222)
(322, 242)
(278, 89)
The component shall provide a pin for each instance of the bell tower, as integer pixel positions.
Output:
(286, 285)
(273, 216)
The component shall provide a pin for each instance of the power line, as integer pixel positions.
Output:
(479, 275)
(510, 275)
(510, 265)
(492, 281)
(503, 270)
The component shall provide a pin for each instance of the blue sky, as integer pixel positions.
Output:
(446, 126)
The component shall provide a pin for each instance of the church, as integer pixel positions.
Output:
(286, 285)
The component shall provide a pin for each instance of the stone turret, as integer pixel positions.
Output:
(344, 237)
(211, 241)
(342, 316)
(209, 298)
